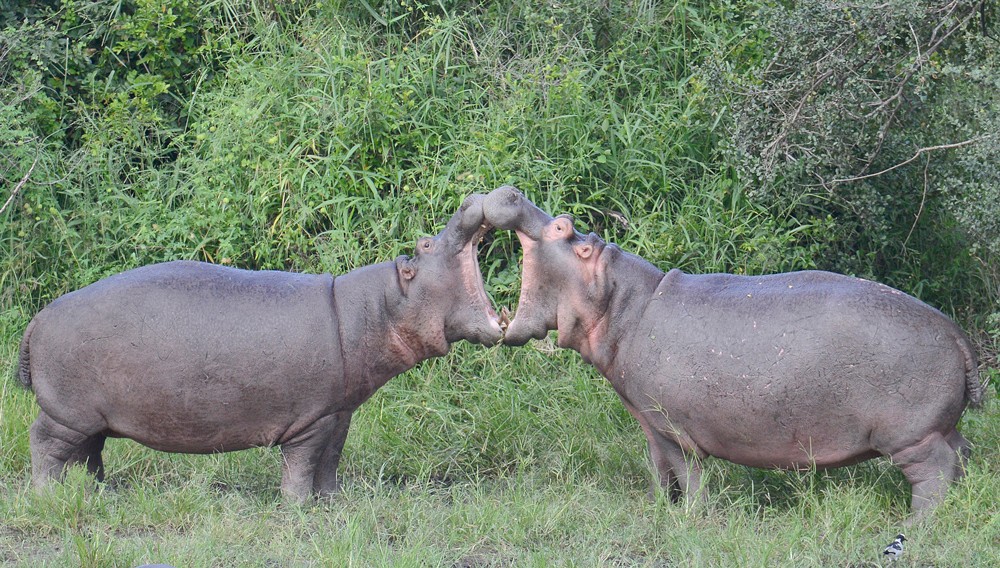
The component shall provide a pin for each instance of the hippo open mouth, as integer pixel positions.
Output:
(474, 317)
(473, 279)
(507, 208)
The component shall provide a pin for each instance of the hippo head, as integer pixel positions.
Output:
(442, 284)
(564, 280)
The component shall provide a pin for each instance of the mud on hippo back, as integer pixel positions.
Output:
(789, 370)
(197, 358)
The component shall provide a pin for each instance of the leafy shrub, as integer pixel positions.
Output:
(324, 136)
(878, 115)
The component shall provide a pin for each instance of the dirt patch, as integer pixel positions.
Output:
(483, 559)
(19, 547)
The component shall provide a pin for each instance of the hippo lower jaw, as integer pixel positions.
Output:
(523, 327)
(514, 338)
(519, 332)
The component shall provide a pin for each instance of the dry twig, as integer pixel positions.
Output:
(916, 155)
(20, 184)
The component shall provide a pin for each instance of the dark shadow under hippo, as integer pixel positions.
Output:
(197, 358)
(796, 370)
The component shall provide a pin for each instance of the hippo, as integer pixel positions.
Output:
(790, 371)
(193, 357)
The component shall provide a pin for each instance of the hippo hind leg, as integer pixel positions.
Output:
(663, 473)
(311, 458)
(930, 466)
(962, 448)
(54, 447)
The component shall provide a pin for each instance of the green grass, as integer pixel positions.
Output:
(486, 457)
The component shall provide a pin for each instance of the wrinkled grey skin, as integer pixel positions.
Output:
(197, 358)
(782, 371)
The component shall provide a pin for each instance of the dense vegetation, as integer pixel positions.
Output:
(739, 136)
(744, 136)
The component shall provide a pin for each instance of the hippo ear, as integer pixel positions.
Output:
(405, 271)
(596, 256)
(588, 246)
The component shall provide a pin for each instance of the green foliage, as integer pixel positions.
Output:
(323, 137)
(328, 144)
(279, 135)
(887, 111)
(139, 60)
(100, 92)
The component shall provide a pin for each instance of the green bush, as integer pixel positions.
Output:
(883, 117)
(321, 136)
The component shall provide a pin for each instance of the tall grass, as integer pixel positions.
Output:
(331, 144)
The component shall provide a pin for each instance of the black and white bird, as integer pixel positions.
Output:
(895, 550)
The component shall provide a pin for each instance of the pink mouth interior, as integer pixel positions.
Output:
(474, 281)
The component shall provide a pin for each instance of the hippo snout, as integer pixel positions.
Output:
(506, 208)
(519, 332)
(491, 334)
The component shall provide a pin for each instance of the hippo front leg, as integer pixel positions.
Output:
(325, 481)
(678, 470)
(311, 458)
(678, 474)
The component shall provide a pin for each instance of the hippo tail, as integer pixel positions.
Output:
(973, 386)
(24, 368)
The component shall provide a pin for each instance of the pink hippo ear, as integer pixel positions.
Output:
(405, 271)
(595, 254)
(588, 246)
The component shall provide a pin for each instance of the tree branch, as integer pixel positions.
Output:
(915, 156)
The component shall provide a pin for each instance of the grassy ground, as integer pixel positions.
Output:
(486, 457)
